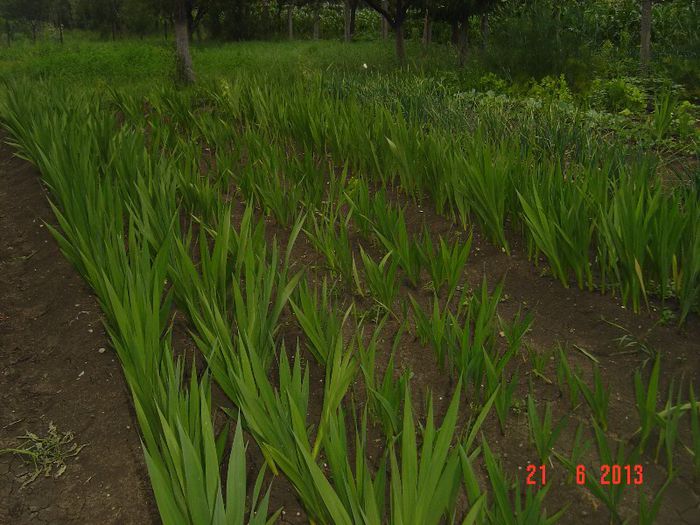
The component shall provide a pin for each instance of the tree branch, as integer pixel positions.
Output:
(379, 9)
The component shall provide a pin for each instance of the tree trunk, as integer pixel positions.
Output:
(185, 71)
(165, 27)
(400, 45)
(645, 36)
(60, 32)
(317, 21)
(33, 24)
(279, 16)
(463, 46)
(454, 35)
(484, 30)
(290, 22)
(385, 23)
(115, 20)
(8, 30)
(353, 13)
(346, 14)
(427, 28)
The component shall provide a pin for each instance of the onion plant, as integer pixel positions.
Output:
(669, 419)
(646, 398)
(512, 510)
(381, 278)
(504, 399)
(445, 264)
(559, 220)
(394, 235)
(543, 434)
(568, 378)
(694, 449)
(487, 183)
(586, 202)
(127, 266)
(315, 312)
(649, 506)
(184, 462)
(662, 116)
(330, 236)
(424, 485)
(433, 330)
(625, 232)
(597, 398)
(384, 398)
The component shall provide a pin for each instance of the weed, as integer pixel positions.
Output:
(47, 454)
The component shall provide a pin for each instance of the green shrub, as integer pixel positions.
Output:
(492, 82)
(617, 95)
(551, 88)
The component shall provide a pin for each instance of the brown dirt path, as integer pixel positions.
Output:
(56, 366)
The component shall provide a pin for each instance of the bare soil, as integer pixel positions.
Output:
(56, 366)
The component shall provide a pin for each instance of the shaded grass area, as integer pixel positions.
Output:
(138, 62)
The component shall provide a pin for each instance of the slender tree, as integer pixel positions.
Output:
(184, 68)
(317, 19)
(349, 12)
(59, 14)
(29, 13)
(394, 13)
(9, 11)
(457, 13)
(645, 36)
(427, 27)
(385, 24)
(196, 10)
